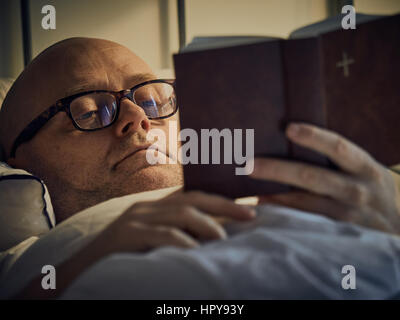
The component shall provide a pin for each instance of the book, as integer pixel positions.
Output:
(343, 80)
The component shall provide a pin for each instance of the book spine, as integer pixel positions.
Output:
(304, 88)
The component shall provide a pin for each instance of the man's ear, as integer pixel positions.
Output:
(18, 161)
(12, 162)
(2, 154)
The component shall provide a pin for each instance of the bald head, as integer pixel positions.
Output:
(82, 168)
(67, 67)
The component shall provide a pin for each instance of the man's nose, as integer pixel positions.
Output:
(131, 118)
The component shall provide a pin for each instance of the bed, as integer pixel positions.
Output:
(282, 254)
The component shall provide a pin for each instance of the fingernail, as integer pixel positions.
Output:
(250, 210)
(223, 234)
(293, 130)
(195, 244)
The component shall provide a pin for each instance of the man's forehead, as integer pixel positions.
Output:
(102, 68)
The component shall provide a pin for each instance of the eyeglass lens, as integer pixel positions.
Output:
(97, 110)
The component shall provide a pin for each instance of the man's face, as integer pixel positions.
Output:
(90, 167)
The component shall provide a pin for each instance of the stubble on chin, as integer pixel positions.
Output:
(148, 178)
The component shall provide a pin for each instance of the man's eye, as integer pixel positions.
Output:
(87, 115)
(148, 103)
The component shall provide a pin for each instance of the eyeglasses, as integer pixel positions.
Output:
(99, 109)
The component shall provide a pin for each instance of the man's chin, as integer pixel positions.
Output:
(151, 177)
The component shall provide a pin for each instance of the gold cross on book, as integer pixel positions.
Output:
(345, 64)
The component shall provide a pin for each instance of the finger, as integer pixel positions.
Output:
(310, 203)
(188, 219)
(345, 154)
(214, 205)
(311, 178)
(149, 237)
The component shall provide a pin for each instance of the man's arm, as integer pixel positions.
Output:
(181, 220)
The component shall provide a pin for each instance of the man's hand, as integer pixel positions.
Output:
(363, 192)
(182, 220)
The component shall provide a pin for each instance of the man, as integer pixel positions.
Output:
(51, 125)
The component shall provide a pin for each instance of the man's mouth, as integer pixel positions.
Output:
(141, 148)
(130, 154)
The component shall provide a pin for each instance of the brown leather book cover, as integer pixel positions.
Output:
(345, 80)
(363, 102)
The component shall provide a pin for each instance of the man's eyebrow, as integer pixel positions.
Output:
(79, 89)
(140, 77)
(132, 81)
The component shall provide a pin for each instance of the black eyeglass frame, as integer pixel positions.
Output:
(64, 105)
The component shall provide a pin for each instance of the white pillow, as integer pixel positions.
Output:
(5, 84)
(25, 207)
